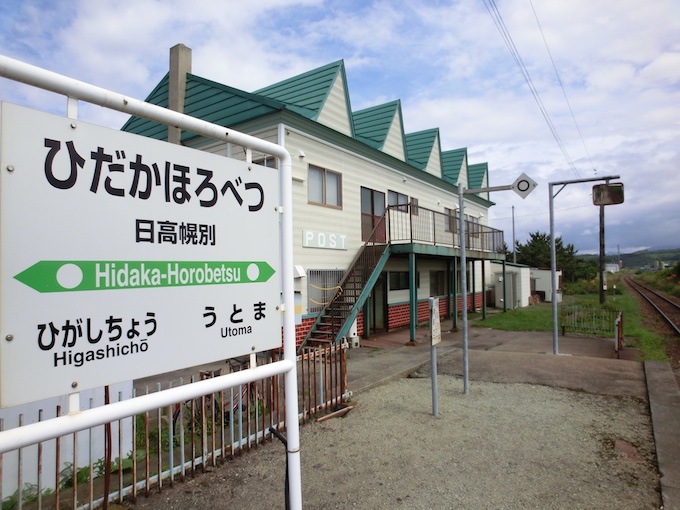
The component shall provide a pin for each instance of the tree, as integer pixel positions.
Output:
(536, 253)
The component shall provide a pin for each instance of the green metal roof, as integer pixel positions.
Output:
(372, 125)
(452, 162)
(419, 147)
(206, 100)
(476, 174)
(297, 105)
(309, 91)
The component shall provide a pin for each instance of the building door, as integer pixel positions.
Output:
(372, 209)
(379, 304)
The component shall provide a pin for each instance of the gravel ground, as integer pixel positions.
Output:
(503, 446)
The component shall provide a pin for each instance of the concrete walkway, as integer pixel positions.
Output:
(584, 363)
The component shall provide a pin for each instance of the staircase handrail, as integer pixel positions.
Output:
(369, 242)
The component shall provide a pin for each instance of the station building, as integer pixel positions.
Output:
(375, 209)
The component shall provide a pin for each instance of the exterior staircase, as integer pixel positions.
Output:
(336, 318)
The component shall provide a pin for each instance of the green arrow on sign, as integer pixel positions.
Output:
(81, 275)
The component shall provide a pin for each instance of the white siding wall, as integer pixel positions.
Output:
(434, 163)
(356, 172)
(462, 176)
(394, 144)
(335, 112)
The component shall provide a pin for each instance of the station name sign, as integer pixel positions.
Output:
(123, 256)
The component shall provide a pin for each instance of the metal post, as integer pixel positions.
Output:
(553, 255)
(514, 255)
(433, 364)
(413, 297)
(553, 269)
(463, 284)
(603, 277)
(435, 338)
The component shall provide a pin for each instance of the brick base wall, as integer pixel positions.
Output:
(397, 316)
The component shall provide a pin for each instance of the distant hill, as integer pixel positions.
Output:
(640, 259)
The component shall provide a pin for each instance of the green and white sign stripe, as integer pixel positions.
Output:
(83, 275)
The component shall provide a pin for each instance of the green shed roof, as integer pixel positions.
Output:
(299, 101)
(308, 91)
(372, 125)
(476, 174)
(452, 162)
(206, 100)
(419, 147)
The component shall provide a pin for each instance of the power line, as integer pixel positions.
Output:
(559, 80)
(497, 18)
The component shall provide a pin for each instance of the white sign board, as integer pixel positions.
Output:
(124, 256)
(435, 323)
(523, 185)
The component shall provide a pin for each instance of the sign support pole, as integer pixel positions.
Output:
(435, 338)
(523, 185)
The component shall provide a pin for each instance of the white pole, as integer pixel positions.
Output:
(74, 89)
(289, 347)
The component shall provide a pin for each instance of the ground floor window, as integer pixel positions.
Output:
(437, 283)
(399, 280)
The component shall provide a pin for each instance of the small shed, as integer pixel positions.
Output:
(541, 284)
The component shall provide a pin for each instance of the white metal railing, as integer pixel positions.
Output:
(75, 90)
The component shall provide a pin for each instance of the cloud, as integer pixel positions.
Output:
(618, 61)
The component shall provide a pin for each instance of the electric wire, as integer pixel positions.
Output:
(507, 38)
(564, 92)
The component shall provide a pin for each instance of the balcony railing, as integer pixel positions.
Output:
(411, 224)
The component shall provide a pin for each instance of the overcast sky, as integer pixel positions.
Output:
(618, 62)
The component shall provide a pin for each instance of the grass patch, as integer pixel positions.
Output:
(539, 318)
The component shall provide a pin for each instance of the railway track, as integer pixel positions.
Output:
(669, 310)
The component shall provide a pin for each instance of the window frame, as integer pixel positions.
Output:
(324, 186)
(401, 279)
(400, 200)
(414, 206)
(451, 220)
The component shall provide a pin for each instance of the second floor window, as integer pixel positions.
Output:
(451, 220)
(324, 187)
(398, 199)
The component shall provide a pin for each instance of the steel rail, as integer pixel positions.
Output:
(637, 286)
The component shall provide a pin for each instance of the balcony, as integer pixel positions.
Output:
(410, 224)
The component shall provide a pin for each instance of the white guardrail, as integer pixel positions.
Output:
(77, 420)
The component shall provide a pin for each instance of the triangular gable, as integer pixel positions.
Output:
(206, 100)
(452, 163)
(423, 151)
(381, 127)
(321, 94)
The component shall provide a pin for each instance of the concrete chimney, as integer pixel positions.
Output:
(180, 65)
